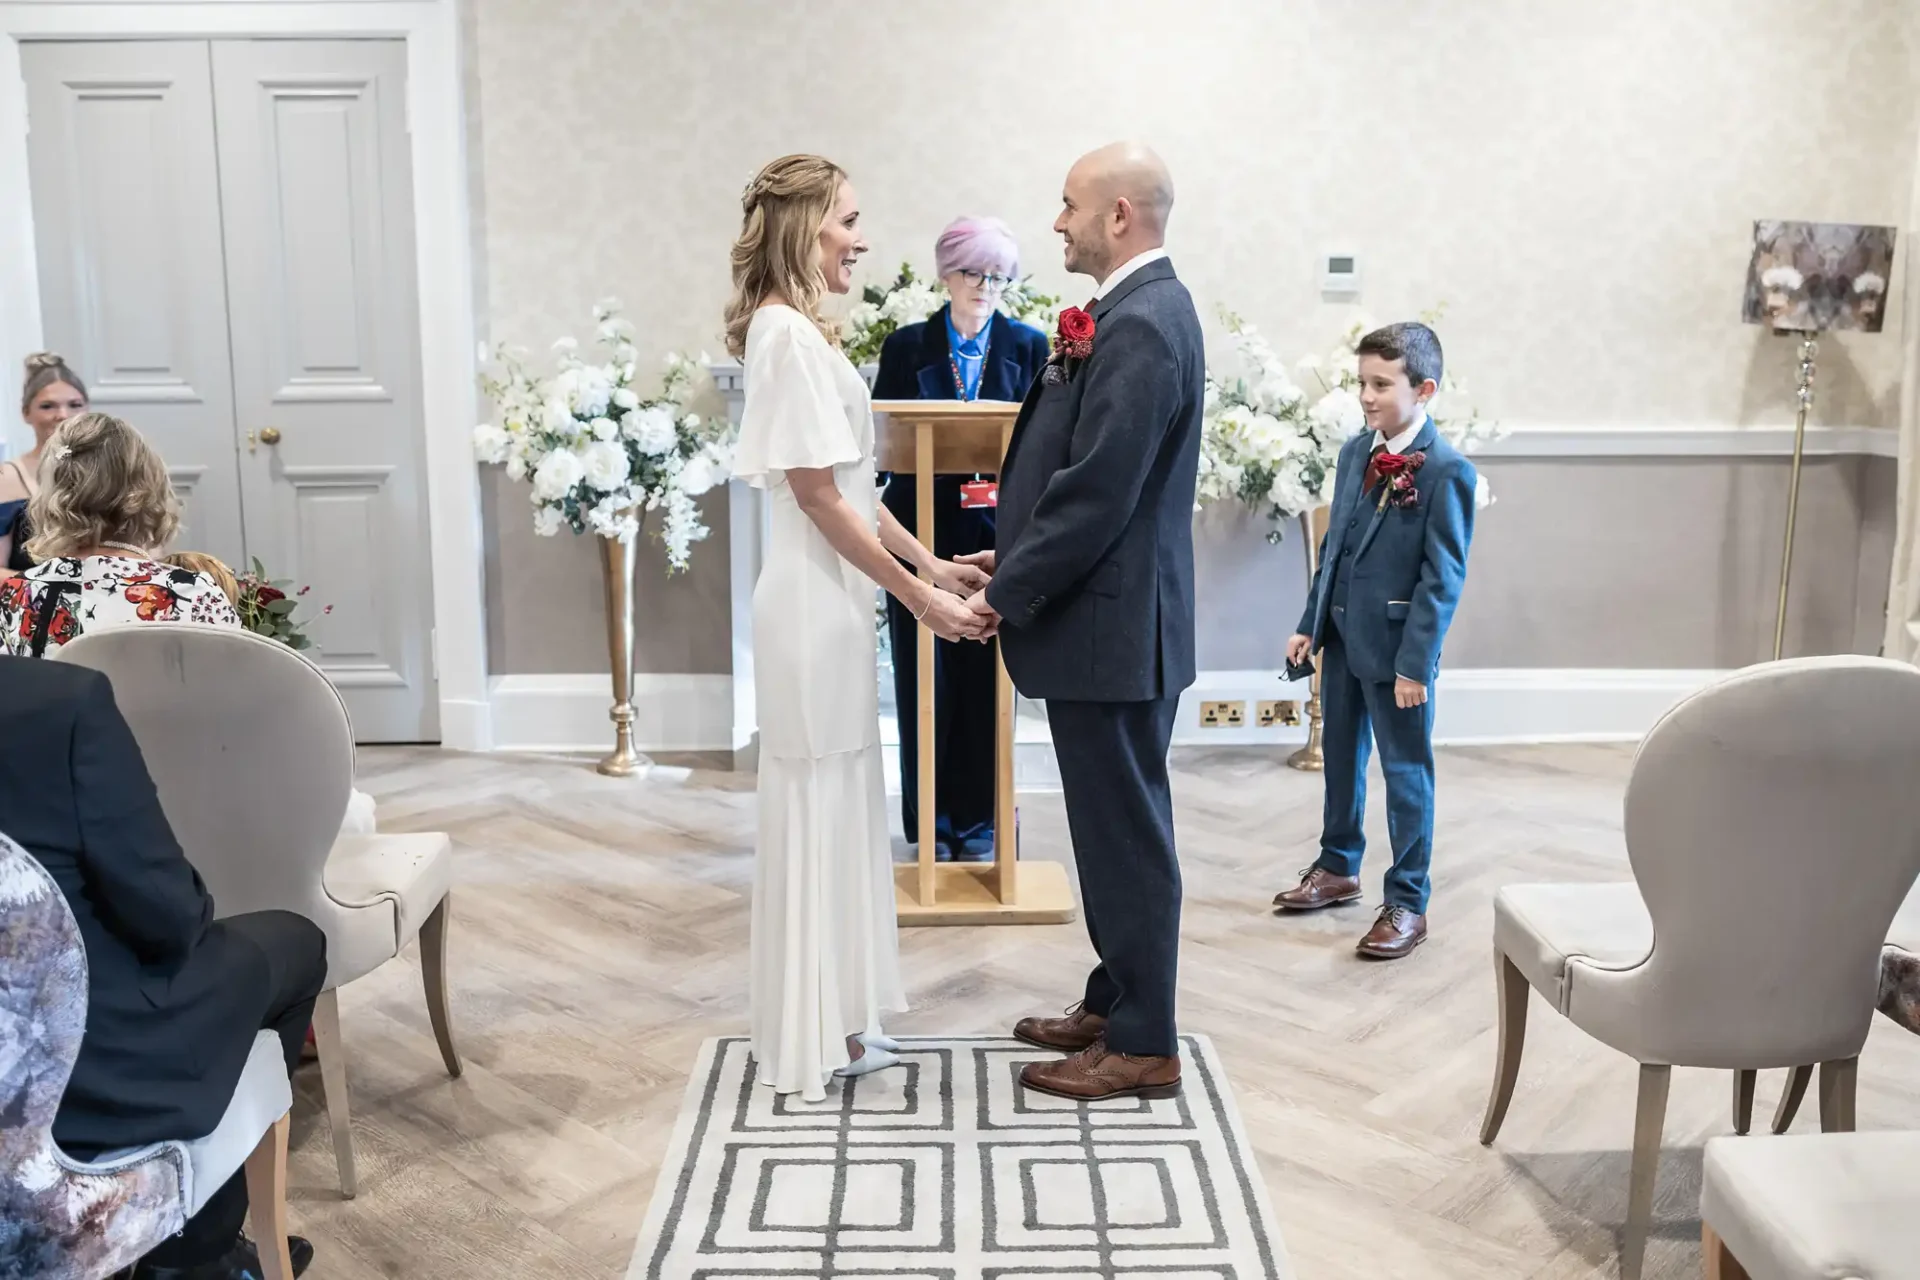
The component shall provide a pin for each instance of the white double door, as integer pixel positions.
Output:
(225, 241)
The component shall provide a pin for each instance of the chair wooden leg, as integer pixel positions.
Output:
(433, 971)
(1720, 1264)
(1511, 986)
(1648, 1121)
(1744, 1083)
(267, 1201)
(1797, 1081)
(333, 1074)
(1838, 1082)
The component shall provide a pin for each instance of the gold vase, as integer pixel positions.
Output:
(616, 562)
(1313, 527)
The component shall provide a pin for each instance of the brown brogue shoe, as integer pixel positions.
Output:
(1396, 932)
(1069, 1034)
(1097, 1072)
(1318, 888)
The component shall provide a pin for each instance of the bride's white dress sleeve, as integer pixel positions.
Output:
(794, 417)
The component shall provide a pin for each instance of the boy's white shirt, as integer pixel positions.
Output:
(1400, 442)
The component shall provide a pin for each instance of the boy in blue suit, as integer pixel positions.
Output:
(1391, 569)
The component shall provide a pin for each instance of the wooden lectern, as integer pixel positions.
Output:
(924, 438)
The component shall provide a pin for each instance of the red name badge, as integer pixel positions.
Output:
(976, 494)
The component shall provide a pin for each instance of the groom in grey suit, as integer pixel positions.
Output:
(1092, 592)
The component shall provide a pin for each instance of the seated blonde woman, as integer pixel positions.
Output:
(101, 521)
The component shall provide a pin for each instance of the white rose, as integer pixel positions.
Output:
(559, 414)
(697, 476)
(652, 429)
(1338, 414)
(862, 317)
(516, 467)
(592, 389)
(490, 443)
(604, 428)
(548, 521)
(557, 474)
(604, 463)
(624, 398)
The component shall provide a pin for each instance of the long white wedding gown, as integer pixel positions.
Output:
(825, 950)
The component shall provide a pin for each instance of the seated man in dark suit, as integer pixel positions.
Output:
(174, 997)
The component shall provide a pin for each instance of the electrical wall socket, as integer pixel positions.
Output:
(1270, 713)
(1222, 715)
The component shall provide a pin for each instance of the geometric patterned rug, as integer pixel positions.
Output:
(945, 1169)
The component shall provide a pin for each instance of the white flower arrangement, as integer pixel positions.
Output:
(911, 299)
(599, 454)
(1272, 443)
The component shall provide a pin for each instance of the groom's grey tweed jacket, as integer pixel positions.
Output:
(1094, 541)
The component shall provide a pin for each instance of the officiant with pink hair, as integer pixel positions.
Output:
(968, 350)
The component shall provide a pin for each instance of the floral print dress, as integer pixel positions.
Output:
(83, 594)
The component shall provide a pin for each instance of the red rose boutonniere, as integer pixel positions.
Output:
(1396, 471)
(1072, 343)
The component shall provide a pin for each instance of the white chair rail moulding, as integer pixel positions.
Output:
(436, 118)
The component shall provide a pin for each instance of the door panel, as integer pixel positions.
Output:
(316, 191)
(126, 208)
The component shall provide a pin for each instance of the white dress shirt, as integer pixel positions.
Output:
(1126, 269)
(1402, 442)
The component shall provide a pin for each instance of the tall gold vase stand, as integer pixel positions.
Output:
(616, 562)
(1313, 527)
(1809, 351)
(925, 438)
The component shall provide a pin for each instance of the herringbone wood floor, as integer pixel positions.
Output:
(601, 933)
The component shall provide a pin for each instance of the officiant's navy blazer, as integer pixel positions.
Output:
(914, 361)
(1409, 565)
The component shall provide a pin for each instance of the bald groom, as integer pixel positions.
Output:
(1093, 592)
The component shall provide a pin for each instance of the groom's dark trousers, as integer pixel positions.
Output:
(1093, 581)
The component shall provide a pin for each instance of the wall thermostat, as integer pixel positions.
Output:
(1340, 274)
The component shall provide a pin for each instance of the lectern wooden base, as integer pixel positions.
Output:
(924, 438)
(963, 893)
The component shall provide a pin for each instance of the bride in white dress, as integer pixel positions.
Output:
(825, 953)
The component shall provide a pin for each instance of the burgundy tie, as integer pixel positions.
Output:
(1372, 476)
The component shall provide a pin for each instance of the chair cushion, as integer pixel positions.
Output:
(1831, 1204)
(390, 884)
(1540, 927)
(263, 1096)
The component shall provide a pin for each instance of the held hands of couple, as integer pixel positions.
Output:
(956, 607)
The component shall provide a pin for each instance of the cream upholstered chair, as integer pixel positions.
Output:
(1772, 821)
(1823, 1205)
(250, 747)
(65, 1219)
(1902, 937)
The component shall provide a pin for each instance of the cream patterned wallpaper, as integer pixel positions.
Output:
(1576, 181)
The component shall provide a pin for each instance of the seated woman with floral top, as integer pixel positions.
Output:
(101, 523)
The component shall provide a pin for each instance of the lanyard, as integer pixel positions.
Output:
(960, 391)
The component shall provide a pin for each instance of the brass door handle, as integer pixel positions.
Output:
(269, 435)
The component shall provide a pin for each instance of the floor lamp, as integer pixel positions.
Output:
(1804, 279)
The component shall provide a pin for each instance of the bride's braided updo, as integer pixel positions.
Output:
(777, 252)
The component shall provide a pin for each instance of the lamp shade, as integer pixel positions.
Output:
(1808, 277)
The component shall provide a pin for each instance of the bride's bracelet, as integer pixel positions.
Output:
(928, 605)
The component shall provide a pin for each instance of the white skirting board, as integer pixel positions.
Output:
(568, 712)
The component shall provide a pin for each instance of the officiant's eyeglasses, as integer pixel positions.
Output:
(986, 279)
